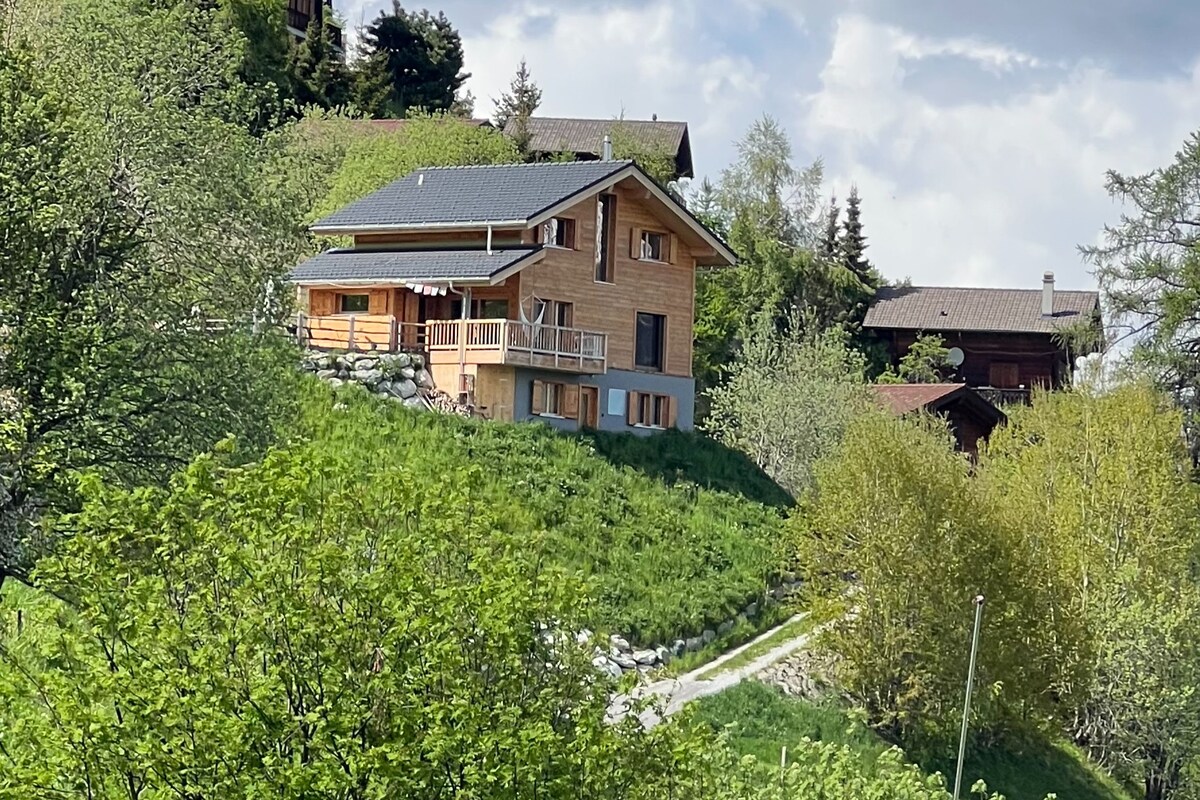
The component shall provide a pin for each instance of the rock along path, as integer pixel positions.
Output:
(670, 695)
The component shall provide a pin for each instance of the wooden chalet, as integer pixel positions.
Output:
(301, 12)
(970, 415)
(1004, 342)
(561, 291)
(584, 139)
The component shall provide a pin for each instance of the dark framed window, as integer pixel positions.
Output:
(559, 232)
(650, 410)
(606, 225)
(481, 309)
(650, 341)
(355, 303)
(653, 246)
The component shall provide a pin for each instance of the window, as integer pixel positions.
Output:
(649, 338)
(355, 303)
(559, 232)
(606, 219)
(481, 309)
(650, 410)
(553, 312)
(653, 245)
(555, 400)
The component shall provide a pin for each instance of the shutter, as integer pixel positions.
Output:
(538, 403)
(673, 249)
(631, 411)
(377, 301)
(570, 233)
(321, 303)
(570, 401)
(635, 244)
(672, 403)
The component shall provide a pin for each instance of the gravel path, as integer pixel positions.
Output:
(672, 694)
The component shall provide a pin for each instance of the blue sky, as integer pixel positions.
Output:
(978, 133)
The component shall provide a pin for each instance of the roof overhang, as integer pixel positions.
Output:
(533, 256)
(473, 225)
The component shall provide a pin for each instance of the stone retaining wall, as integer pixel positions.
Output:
(397, 376)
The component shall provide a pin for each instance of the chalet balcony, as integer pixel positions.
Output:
(1005, 397)
(469, 341)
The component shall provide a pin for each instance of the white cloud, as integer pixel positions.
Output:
(990, 191)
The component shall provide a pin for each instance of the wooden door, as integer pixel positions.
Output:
(589, 407)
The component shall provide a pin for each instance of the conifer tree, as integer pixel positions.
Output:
(319, 76)
(517, 105)
(830, 244)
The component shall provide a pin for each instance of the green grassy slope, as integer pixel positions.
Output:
(765, 720)
(667, 555)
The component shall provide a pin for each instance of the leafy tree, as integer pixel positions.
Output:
(411, 60)
(787, 401)
(370, 159)
(284, 630)
(517, 106)
(267, 49)
(319, 75)
(653, 155)
(136, 209)
(927, 361)
(897, 509)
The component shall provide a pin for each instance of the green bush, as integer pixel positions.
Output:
(664, 561)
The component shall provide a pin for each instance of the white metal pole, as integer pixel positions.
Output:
(962, 739)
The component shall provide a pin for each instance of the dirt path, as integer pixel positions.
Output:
(672, 694)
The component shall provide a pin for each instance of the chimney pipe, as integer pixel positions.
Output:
(606, 153)
(1048, 294)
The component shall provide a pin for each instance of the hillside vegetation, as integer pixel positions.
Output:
(666, 559)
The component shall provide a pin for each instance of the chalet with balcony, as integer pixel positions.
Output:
(300, 13)
(970, 417)
(557, 291)
(1003, 342)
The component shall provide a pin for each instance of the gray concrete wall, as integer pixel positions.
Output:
(619, 381)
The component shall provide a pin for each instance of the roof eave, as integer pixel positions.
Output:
(389, 227)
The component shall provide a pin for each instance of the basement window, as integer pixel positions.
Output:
(648, 410)
(355, 303)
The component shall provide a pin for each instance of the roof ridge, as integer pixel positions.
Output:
(617, 162)
(614, 121)
(987, 288)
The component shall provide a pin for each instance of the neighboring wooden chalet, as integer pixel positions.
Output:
(563, 291)
(301, 12)
(971, 416)
(584, 138)
(1003, 341)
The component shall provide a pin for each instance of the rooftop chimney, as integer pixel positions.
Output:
(606, 153)
(1048, 294)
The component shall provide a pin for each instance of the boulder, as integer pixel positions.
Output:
(624, 661)
(678, 647)
(413, 402)
(367, 377)
(384, 387)
(752, 610)
(405, 389)
(725, 627)
(323, 361)
(327, 374)
(418, 361)
(424, 379)
(664, 655)
(646, 658)
(584, 636)
(693, 644)
(336, 382)
(620, 643)
(365, 363)
(709, 635)
(408, 373)
(607, 667)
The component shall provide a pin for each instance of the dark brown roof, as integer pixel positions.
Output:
(901, 398)
(586, 136)
(937, 308)
(392, 125)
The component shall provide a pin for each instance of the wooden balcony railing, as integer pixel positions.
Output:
(465, 341)
(363, 332)
(1003, 397)
(507, 341)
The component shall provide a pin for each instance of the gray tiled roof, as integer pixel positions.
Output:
(478, 194)
(558, 134)
(936, 308)
(389, 266)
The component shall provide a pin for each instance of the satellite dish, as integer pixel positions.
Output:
(955, 356)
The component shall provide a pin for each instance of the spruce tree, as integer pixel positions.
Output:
(319, 77)
(854, 242)
(517, 106)
(410, 60)
(830, 243)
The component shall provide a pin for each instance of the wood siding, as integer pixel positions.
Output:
(611, 308)
(1035, 359)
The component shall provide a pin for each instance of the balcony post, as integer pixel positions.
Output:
(350, 334)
